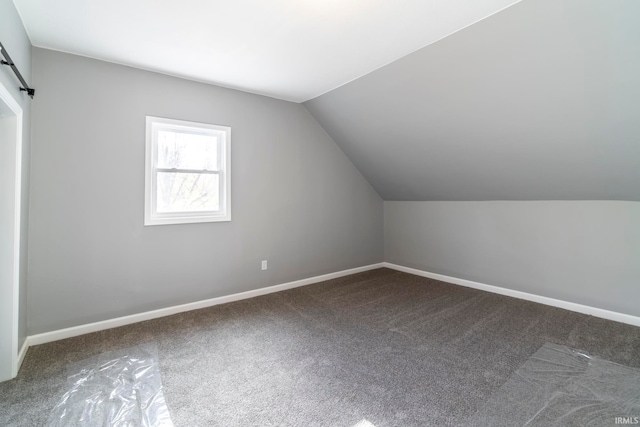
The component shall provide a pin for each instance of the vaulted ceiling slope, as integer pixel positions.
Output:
(288, 49)
(537, 102)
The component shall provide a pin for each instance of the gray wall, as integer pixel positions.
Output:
(16, 42)
(584, 252)
(537, 102)
(297, 200)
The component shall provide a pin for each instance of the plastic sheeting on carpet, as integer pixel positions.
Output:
(560, 386)
(119, 388)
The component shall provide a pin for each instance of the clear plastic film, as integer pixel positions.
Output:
(119, 388)
(560, 386)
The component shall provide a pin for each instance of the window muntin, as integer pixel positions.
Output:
(187, 172)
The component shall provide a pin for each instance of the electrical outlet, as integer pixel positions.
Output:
(264, 264)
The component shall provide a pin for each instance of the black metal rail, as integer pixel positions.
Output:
(5, 59)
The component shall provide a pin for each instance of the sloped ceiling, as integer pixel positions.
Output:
(538, 102)
(289, 49)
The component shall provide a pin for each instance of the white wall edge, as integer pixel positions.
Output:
(571, 306)
(168, 311)
(10, 101)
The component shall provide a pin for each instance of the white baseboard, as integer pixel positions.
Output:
(584, 309)
(154, 314)
(22, 353)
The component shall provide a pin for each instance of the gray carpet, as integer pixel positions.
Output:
(379, 348)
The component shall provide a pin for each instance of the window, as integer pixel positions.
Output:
(188, 172)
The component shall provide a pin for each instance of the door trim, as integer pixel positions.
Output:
(13, 105)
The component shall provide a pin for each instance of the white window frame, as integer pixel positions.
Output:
(151, 214)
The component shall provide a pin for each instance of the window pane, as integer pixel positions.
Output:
(187, 150)
(188, 192)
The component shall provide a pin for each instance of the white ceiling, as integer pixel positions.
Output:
(289, 49)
